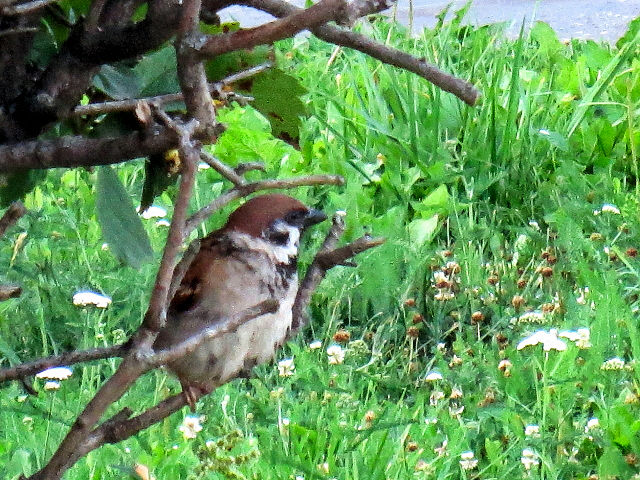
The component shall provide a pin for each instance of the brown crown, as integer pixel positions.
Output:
(258, 213)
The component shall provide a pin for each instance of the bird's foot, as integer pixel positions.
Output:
(193, 391)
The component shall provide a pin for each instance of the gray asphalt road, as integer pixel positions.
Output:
(596, 19)
(604, 19)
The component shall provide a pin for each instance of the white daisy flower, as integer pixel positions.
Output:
(190, 427)
(286, 367)
(433, 376)
(55, 373)
(86, 297)
(468, 461)
(335, 354)
(52, 385)
(610, 208)
(529, 458)
(615, 363)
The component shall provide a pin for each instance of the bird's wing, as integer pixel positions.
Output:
(213, 248)
(185, 316)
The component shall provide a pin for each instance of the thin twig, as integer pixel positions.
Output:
(69, 358)
(462, 89)
(133, 365)
(300, 19)
(17, 31)
(190, 344)
(222, 168)
(248, 188)
(243, 168)
(128, 105)
(15, 211)
(327, 257)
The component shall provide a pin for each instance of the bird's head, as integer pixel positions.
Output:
(275, 218)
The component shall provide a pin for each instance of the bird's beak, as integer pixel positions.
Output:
(314, 216)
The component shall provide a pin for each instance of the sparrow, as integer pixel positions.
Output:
(252, 258)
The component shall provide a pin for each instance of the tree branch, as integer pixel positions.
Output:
(191, 72)
(462, 89)
(160, 100)
(69, 358)
(298, 20)
(78, 151)
(8, 291)
(15, 211)
(134, 364)
(327, 257)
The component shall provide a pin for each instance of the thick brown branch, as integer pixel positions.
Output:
(11, 216)
(462, 89)
(249, 188)
(79, 151)
(300, 19)
(69, 358)
(191, 72)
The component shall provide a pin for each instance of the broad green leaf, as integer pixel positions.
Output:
(117, 82)
(278, 96)
(157, 73)
(546, 38)
(121, 226)
(437, 202)
(612, 464)
(422, 231)
(554, 138)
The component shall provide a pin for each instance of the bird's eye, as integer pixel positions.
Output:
(279, 238)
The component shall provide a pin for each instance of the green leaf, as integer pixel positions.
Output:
(546, 38)
(437, 202)
(612, 464)
(422, 231)
(117, 82)
(605, 78)
(554, 138)
(121, 226)
(159, 173)
(277, 96)
(157, 73)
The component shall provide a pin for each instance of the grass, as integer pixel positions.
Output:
(492, 236)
